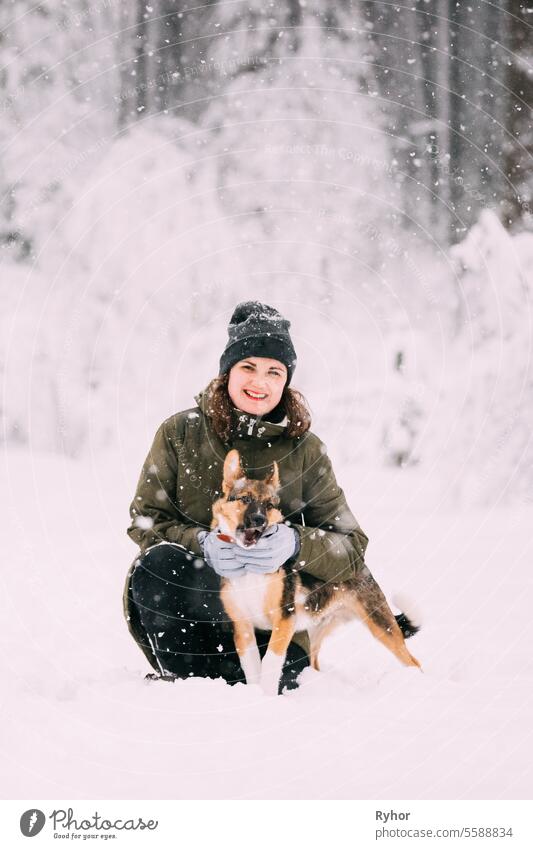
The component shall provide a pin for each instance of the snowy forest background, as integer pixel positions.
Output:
(363, 166)
(366, 169)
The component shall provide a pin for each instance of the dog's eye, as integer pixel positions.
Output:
(245, 499)
(232, 498)
(269, 506)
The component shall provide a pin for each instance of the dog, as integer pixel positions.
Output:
(290, 600)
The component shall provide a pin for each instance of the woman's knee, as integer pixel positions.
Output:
(161, 562)
(170, 577)
(152, 572)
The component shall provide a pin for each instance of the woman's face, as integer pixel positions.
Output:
(256, 384)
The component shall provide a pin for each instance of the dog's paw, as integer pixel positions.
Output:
(271, 673)
(251, 664)
(270, 687)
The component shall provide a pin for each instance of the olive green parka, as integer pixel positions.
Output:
(182, 477)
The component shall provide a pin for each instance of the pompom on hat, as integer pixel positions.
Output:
(258, 330)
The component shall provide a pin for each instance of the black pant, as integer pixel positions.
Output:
(182, 624)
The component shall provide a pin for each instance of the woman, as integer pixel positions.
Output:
(171, 598)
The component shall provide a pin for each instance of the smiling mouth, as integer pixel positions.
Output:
(255, 396)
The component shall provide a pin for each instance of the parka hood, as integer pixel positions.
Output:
(246, 425)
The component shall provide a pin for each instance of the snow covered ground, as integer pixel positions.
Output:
(126, 245)
(79, 721)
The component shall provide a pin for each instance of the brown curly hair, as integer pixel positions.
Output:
(221, 408)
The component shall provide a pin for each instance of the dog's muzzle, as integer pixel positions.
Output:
(254, 524)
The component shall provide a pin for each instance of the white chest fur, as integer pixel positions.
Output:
(249, 593)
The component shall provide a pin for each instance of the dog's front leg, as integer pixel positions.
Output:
(243, 636)
(272, 664)
(246, 645)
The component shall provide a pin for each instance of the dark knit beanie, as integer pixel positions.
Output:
(257, 330)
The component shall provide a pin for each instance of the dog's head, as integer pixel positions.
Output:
(248, 506)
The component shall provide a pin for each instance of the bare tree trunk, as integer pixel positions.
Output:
(125, 58)
(442, 108)
(419, 121)
(519, 152)
(141, 62)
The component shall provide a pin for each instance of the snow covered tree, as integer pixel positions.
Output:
(300, 152)
(443, 66)
(56, 99)
(488, 391)
(57, 103)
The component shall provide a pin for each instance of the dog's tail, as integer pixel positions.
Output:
(410, 620)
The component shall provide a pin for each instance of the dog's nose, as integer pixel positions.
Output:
(257, 519)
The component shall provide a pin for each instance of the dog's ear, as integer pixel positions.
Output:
(232, 470)
(273, 478)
